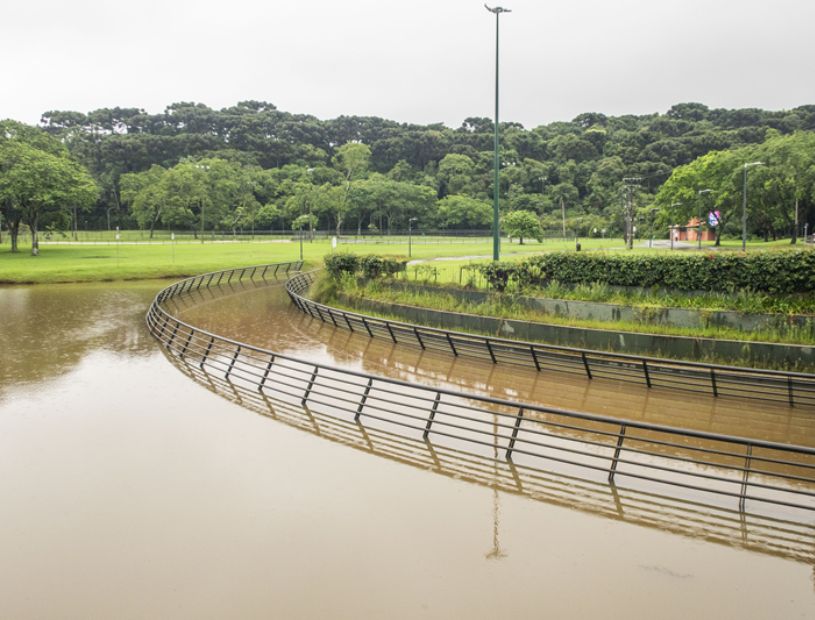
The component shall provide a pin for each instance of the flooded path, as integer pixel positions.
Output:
(130, 491)
(264, 317)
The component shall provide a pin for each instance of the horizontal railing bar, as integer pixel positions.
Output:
(394, 402)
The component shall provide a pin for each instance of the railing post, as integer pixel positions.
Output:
(263, 275)
(232, 363)
(747, 463)
(363, 400)
(347, 321)
(367, 327)
(616, 457)
(489, 348)
(172, 336)
(586, 364)
(390, 331)
(418, 337)
(187, 343)
(452, 346)
(789, 391)
(331, 316)
(713, 382)
(432, 415)
(310, 385)
(515, 430)
(206, 353)
(645, 372)
(535, 358)
(266, 373)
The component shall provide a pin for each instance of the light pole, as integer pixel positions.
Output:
(701, 211)
(745, 167)
(410, 235)
(496, 239)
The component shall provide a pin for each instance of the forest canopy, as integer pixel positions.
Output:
(252, 166)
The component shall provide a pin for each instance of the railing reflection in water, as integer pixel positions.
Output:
(787, 538)
(623, 469)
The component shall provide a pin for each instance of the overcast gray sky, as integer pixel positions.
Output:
(419, 61)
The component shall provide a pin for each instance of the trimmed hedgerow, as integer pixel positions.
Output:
(371, 266)
(338, 264)
(772, 272)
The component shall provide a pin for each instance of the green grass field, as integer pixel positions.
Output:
(85, 262)
(129, 259)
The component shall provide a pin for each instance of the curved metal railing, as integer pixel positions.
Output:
(594, 447)
(792, 388)
(786, 538)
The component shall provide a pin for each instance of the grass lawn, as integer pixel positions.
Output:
(109, 260)
(85, 262)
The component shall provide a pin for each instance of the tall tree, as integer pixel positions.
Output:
(352, 159)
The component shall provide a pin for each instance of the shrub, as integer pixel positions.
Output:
(339, 264)
(372, 266)
(771, 272)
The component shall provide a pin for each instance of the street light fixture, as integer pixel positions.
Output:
(496, 239)
(410, 235)
(701, 213)
(745, 167)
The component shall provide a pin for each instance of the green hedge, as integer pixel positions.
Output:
(772, 272)
(371, 266)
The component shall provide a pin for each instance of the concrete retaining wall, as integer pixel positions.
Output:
(803, 325)
(791, 357)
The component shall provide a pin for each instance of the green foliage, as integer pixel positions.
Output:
(338, 265)
(462, 212)
(324, 164)
(772, 272)
(520, 224)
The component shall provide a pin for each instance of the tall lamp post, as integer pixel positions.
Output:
(745, 167)
(701, 215)
(496, 238)
(410, 235)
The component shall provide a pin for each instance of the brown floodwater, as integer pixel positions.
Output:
(133, 488)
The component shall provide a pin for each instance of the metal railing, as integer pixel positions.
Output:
(787, 538)
(594, 447)
(793, 388)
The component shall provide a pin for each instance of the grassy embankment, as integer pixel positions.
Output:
(510, 309)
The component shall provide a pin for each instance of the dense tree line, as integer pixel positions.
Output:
(40, 184)
(252, 166)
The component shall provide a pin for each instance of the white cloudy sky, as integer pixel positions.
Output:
(419, 61)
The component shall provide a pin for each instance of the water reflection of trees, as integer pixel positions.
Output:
(48, 330)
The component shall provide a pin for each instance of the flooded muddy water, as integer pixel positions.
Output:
(128, 489)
